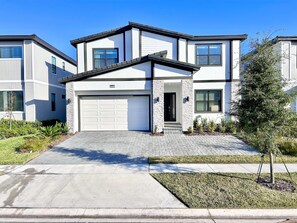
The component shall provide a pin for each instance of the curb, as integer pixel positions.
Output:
(149, 213)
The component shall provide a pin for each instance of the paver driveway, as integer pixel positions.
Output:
(135, 147)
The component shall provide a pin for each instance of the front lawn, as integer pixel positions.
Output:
(8, 154)
(218, 159)
(214, 190)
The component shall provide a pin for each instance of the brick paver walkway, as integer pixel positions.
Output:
(134, 147)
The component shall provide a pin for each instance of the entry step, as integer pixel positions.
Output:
(172, 127)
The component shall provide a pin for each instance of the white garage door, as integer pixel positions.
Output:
(114, 113)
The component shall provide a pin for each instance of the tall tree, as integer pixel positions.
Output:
(262, 107)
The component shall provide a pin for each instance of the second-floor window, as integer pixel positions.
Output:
(54, 67)
(11, 52)
(209, 54)
(105, 57)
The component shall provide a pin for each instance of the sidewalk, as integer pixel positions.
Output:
(219, 168)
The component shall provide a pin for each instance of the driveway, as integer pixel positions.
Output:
(104, 170)
(122, 147)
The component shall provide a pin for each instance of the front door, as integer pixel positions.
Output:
(169, 107)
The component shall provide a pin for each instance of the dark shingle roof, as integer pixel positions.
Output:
(155, 57)
(39, 41)
(157, 31)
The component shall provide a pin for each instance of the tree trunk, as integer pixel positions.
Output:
(271, 168)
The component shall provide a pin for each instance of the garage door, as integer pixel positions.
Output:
(114, 113)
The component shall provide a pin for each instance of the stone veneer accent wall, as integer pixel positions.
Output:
(70, 106)
(158, 107)
(187, 106)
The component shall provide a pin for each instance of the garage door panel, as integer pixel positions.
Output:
(115, 113)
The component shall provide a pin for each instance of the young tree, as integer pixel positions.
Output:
(262, 107)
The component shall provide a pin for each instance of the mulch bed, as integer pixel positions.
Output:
(157, 134)
(194, 133)
(279, 185)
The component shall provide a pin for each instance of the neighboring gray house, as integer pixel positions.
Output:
(287, 47)
(29, 73)
(139, 77)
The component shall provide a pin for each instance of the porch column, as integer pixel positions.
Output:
(158, 105)
(70, 106)
(187, 105)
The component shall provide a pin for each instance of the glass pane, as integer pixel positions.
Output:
(99, 63)
(15, 100)
(202, 60)
(16, 52)
(1, 101)
(214, 49)
(214, 60)
(214, 106)
(214, 95)
(5, 52)
(111, 61)
(202, 50)
(99, 53)
(111, 53)
(201, 106)
(201, 95)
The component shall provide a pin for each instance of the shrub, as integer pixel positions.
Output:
(221, 128)
(50, 122)
(204, 123)
(18, 128)
(231, 126)
(53, 131)
(33, 144)
(287, 146)
(190, 130)
(200, 128)
(211, 126)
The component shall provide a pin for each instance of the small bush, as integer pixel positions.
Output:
(200, 128)
(53, 131)
(211, 126)
(50, 122)
(190, 130)
(231, 126)
(287, 146)
(33, 144)
(221, 128)
(204, 123)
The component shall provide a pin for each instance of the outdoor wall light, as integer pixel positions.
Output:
(158, 99)
(187, 98)
(68, 101)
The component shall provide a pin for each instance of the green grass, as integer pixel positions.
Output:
(214, 190)
(218, 159)
(8, 154)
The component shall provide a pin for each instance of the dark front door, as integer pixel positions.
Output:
(169, 107)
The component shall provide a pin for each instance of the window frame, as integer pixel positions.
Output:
(7, 99)
(208, 55)
(221, 101)
(54, 66)
(117, 49)
(63, 66)
(53, 102)
(10, 52)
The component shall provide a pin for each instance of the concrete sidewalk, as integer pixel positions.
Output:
(218, 168)
(156, 215)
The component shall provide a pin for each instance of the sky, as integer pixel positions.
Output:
(59, 21)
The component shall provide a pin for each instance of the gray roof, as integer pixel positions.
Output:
(39, 41)
(289, 38)
(157, 31)
(155, 57)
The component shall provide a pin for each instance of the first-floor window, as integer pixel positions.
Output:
(208, 101)
(53, 101)
(11, 101)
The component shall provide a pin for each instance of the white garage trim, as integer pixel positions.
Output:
(114, 112)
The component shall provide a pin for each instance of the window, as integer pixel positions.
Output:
(63, 65)
(208, 101)
(209, 54)
(104, 57)
(11, 101)
(53, 101)
(11, 52)
(54, 67)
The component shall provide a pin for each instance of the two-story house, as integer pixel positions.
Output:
(287, 48)
(138, 77)
(29, 72)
